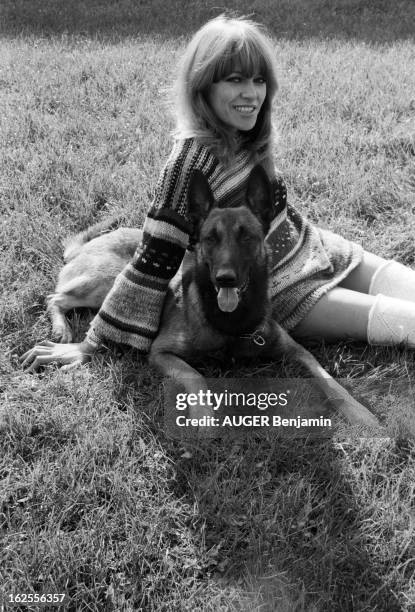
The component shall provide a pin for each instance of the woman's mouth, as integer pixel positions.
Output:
(245, 109)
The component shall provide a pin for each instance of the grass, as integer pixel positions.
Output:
(95, 500)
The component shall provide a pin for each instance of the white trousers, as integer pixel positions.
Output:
(392, 317)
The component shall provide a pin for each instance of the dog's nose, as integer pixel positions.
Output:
(226, 277)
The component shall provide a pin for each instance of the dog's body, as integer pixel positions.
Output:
(218, 300)
(92, 261)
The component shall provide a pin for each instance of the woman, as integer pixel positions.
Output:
(321, 284)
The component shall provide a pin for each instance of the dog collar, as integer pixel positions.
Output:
(257, 337)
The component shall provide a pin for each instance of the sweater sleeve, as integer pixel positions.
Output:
(131, 311)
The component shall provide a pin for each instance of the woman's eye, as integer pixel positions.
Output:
(239, 79)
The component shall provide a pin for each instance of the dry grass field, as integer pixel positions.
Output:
(95, 500)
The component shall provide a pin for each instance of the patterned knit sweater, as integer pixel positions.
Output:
(305, 261)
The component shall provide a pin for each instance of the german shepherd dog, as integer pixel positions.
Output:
(218, 299)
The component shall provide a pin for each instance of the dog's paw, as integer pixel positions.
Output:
(62, 334)
(204, 421)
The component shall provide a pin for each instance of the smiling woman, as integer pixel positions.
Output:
(320, 283)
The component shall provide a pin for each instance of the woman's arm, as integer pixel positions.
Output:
(131, 311)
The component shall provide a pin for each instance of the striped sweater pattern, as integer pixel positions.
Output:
(305, 260)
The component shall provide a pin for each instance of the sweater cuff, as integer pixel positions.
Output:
(93, 339)
(100, 331)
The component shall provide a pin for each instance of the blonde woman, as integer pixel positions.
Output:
(321, 284)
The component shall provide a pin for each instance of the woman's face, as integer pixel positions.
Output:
(237, 99)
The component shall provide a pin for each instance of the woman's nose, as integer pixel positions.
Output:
(249, 89)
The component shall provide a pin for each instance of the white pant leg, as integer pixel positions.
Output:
(394, 280)
(391, 322)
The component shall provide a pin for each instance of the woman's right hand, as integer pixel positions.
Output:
(66, 355)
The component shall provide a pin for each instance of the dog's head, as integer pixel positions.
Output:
(230, 241)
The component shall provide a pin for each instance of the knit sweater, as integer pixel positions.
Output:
(305, 261)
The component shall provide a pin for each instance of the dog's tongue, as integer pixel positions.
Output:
(228, 299)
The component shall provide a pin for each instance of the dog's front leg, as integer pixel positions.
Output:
(353, 410)
(56, 308)
(175, 368)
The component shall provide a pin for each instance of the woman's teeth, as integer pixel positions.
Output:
(245, 109)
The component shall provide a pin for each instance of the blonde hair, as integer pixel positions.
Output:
(216, 50)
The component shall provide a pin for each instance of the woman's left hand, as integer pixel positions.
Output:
(47, 352)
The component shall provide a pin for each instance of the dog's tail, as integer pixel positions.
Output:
(73, 244)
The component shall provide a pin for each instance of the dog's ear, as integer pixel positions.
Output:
(200, 198)
(259, 196)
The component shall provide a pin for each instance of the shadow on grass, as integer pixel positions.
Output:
(285, 525)
(285, 521)
(372, 21)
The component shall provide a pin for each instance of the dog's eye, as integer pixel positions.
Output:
(244, 235)
(210, 239)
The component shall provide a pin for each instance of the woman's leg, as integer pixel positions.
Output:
(374, 303)
(340, 313)
(360, 278)
(344, 311)
(376, 319)
(376, 275)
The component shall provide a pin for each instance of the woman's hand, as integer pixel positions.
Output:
(66, 355)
